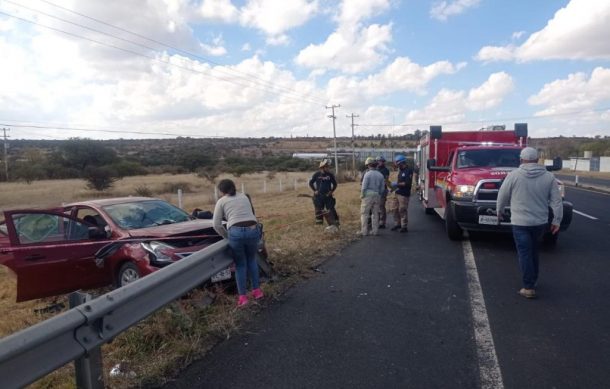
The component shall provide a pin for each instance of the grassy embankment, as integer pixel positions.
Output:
(162, 344)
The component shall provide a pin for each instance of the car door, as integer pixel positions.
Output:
(51, 254)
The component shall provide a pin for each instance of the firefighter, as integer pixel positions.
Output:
(323, 184)
(386, 176)
(402, 193)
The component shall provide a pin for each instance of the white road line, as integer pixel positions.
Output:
(489, 368)
(584, 214)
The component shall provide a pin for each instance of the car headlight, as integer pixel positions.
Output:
(463, 192)
(158, 251)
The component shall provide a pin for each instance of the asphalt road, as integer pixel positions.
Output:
(395, 311)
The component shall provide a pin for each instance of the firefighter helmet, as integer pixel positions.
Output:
(400, 159)
(381, 158)
(370, 161)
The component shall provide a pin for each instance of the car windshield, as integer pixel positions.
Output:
(142, 214)
(488, 158)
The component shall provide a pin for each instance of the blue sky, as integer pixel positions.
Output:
(163, 68)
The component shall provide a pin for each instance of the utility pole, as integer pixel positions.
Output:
(335, 137)
(5, 153)
(353, 147)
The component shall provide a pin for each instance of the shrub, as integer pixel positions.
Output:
(99, 178)
(144, 191)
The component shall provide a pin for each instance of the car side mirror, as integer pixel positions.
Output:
(97, 233)
(431, 164)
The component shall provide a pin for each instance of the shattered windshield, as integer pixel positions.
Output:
(142, 214)
(488, 158)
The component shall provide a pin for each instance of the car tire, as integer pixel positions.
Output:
(454, 231)
(128, 273)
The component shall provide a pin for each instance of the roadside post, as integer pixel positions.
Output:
(180, 198)
(576, 180)
(280, 184)
(243, 189)
(88, 368)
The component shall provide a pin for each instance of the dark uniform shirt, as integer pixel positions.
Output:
(323, 182)
(405, 175)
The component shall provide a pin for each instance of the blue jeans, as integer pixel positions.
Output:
(244, 243)
(526, 240)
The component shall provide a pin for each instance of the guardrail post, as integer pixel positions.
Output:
(89, 368)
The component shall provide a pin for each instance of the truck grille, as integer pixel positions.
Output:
(487, 190)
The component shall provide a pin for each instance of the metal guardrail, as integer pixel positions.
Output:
(38, 350)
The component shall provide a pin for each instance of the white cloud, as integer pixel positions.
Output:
(451, 106)
(517, 35)
(246, 47)
(400, 75)
(218, 10)
(348, 50)
(580, 30)
(491, 93)
(443, 10)
(275, 17)
(354, 11)
(574, 94)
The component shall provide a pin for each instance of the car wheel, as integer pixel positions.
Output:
(128, 273)
(454, 231)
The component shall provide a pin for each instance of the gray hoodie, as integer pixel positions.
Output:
(529, 191)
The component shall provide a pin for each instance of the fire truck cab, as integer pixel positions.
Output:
(461, 173)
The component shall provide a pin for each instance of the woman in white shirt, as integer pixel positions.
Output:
(243, 232)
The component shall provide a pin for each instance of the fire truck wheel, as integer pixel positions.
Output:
(454, 231)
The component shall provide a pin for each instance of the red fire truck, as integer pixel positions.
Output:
(461, 173)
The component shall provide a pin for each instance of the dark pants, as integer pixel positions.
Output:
(325, 209)
(526, 240)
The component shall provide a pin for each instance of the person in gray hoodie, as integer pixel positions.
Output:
(373, 186)
(529, 191)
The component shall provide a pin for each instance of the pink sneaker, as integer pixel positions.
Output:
(242, 301)
(257, 293)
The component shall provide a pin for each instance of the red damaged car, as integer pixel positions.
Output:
(96, 243)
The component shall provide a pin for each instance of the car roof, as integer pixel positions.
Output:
(112, 201)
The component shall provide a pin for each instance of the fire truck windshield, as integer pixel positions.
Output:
(488, 158)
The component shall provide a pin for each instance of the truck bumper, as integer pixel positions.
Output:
(467, 216)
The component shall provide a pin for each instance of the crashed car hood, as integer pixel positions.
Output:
(183, 228)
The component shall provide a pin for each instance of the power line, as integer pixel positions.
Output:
(186, 52)
(299, 98)
(106, 130)
(491, 121)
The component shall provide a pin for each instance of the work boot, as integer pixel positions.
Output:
(395, 228)
(382, 226)
(318, 221)
(404, 229)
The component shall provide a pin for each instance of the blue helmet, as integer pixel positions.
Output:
(399, 159)
(381, 158)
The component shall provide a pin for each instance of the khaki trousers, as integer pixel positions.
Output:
(367, 205)
(401, 207)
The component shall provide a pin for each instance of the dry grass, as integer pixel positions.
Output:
(604, 175)
(167, 341)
